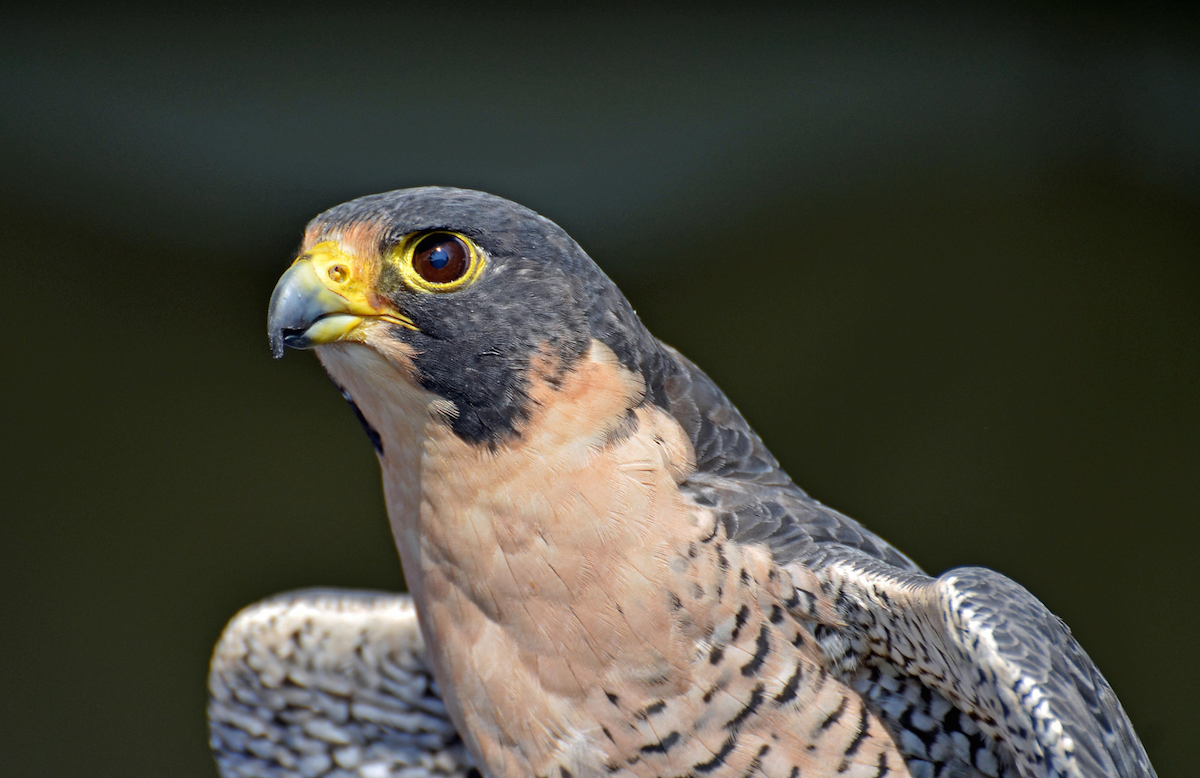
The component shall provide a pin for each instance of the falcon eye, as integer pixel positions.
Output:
(440, 261)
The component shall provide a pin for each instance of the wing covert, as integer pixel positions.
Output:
(975, 637)
(319, 682)
(999, 655)
(737, 476)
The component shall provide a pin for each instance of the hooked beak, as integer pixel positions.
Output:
(320, 300)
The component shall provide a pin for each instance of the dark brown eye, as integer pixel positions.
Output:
(441, 258)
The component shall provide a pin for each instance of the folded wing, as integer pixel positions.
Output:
(328, 682)
(999, 655)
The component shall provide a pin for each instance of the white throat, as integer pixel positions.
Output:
(401, 412)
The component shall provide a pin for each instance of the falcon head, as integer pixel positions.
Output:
(464, 293)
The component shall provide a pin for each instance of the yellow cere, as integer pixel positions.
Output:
(402, 257)
(335, 267)
(342, 273)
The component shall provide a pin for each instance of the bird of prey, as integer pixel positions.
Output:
(612, 576)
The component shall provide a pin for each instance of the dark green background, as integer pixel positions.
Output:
(947, 262)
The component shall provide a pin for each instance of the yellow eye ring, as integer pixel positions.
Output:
(439, 261)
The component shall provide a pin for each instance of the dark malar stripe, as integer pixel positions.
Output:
(372, 433)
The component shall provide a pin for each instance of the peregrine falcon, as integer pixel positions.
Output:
(612, 576)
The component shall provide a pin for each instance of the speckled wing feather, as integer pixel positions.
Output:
(993, 648)
(970, 642)
(329, 683)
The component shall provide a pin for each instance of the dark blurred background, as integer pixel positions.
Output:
(946, 261)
